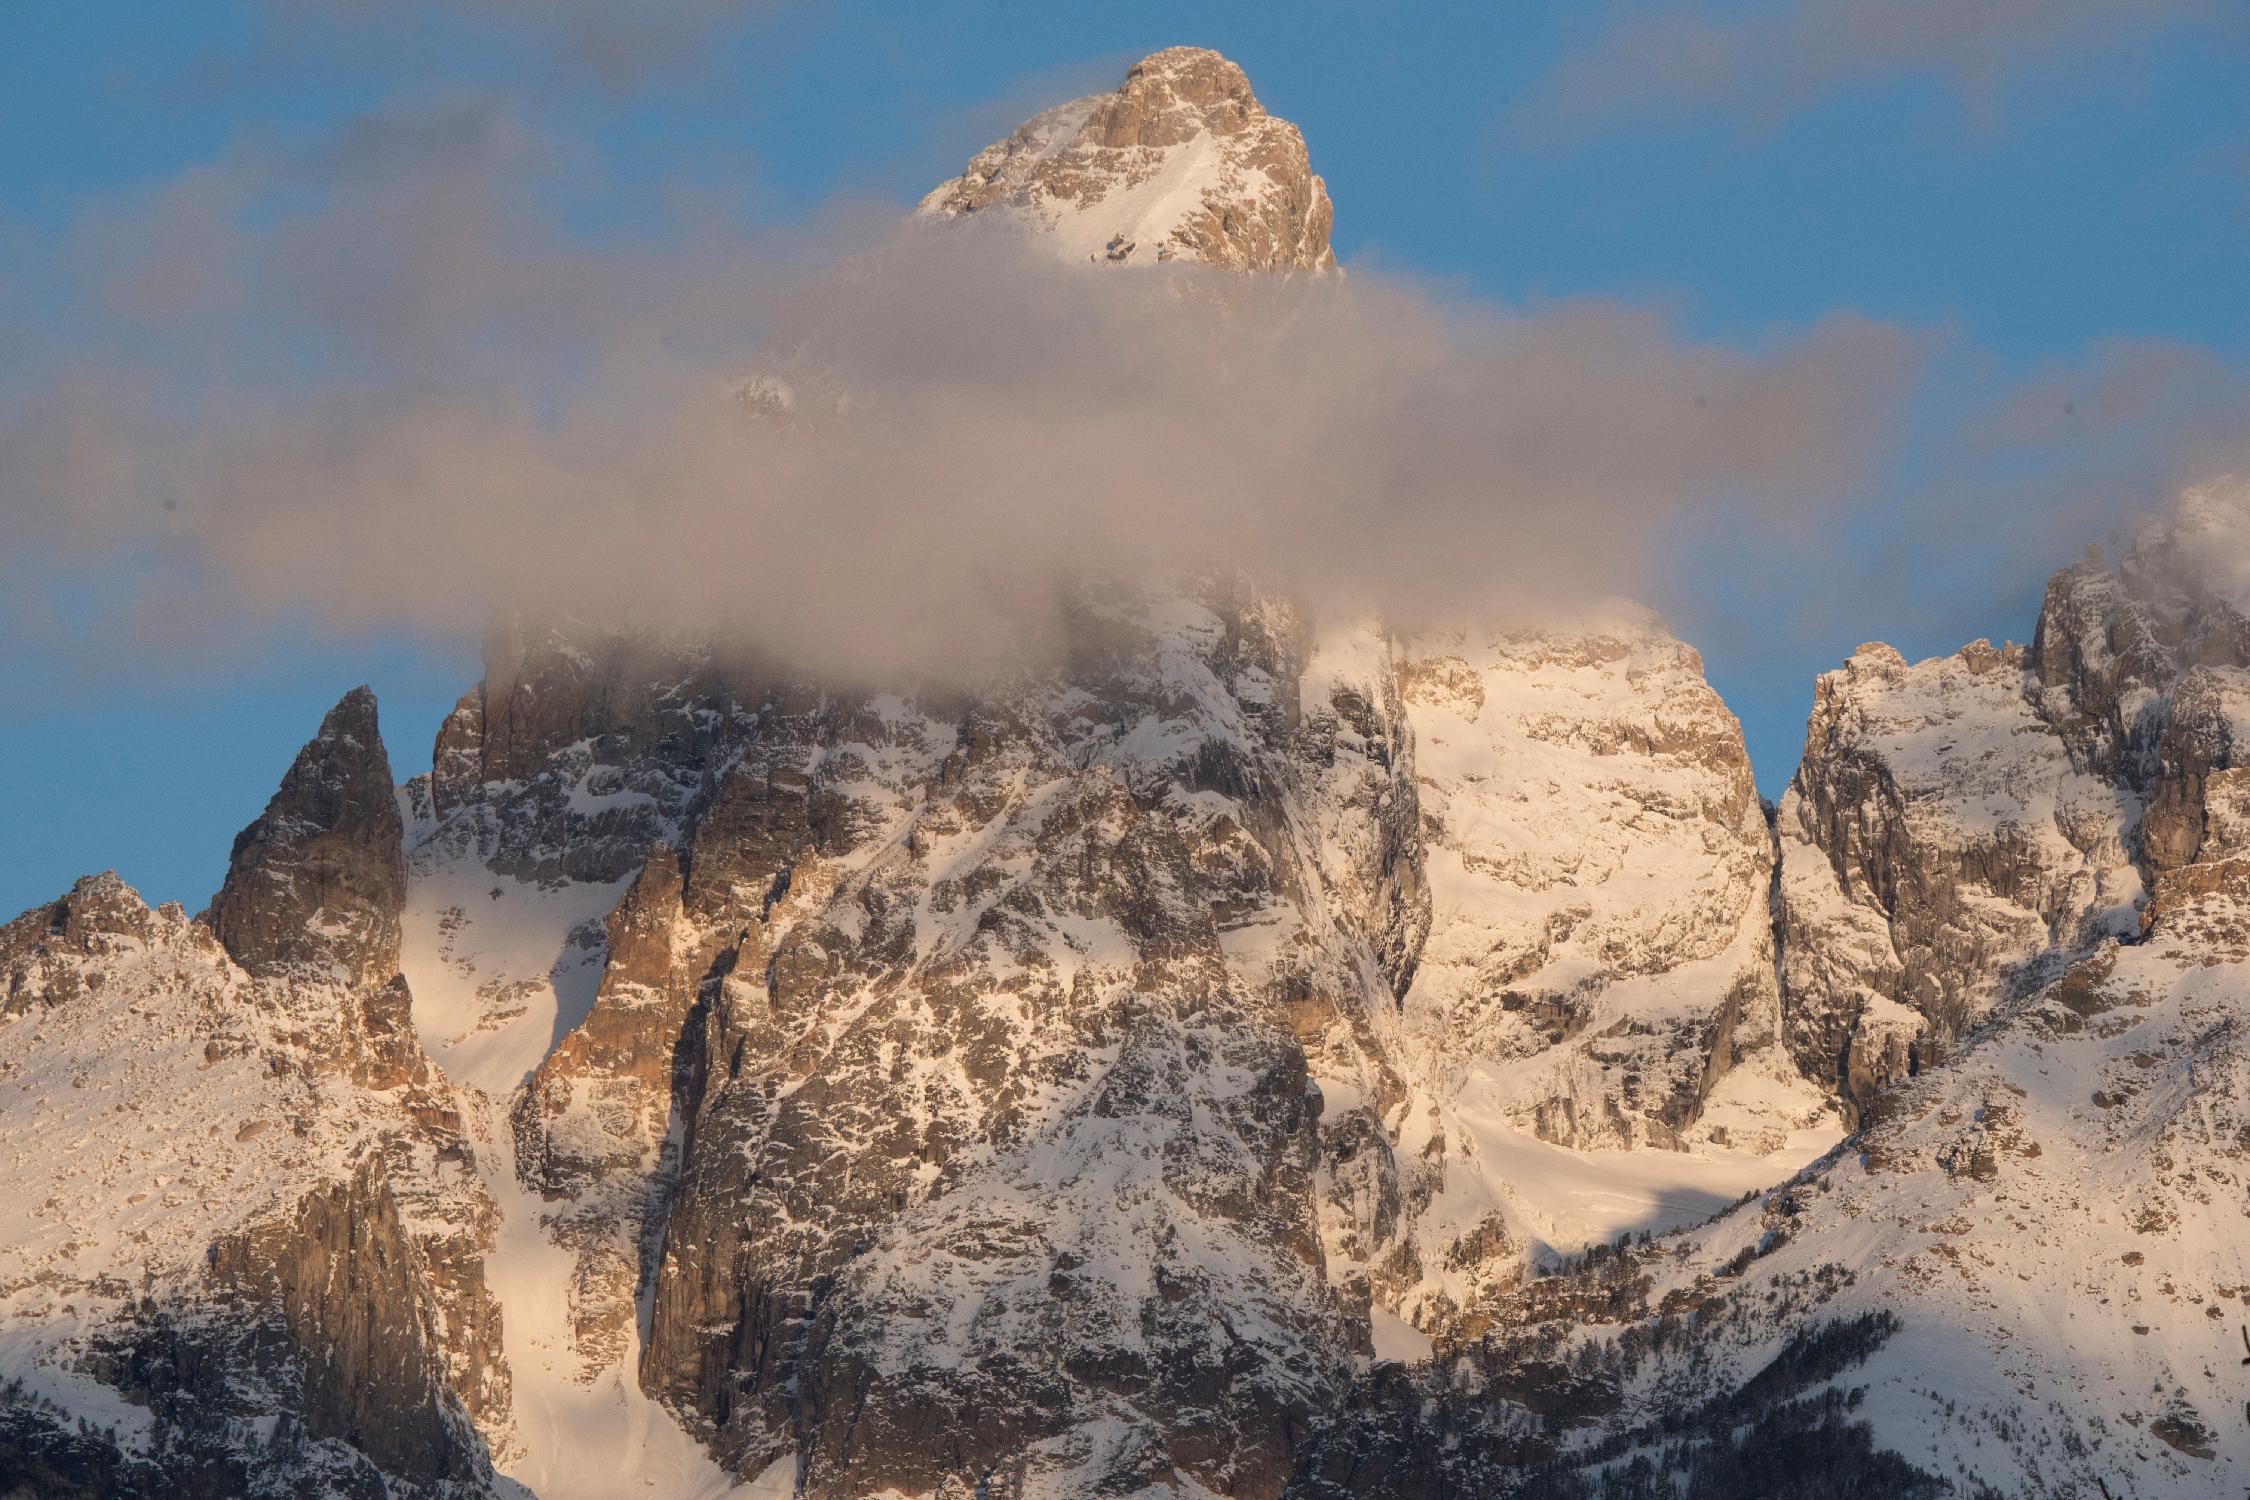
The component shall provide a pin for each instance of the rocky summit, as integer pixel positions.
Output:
(1253, 1053)
(1181, 163)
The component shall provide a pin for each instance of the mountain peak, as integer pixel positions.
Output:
(317, 881)
(1170, 97)
(1181, 163)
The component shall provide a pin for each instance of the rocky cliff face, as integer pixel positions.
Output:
(1181, 163)
(1602, 960)
(973, 1033)
(1941, 850)
(1600, 973)
(314, 886)
(2050, 1219)
(255, 1242)
(1961, 828)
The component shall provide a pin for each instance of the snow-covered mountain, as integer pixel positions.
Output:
(1181, 163)
(2012, 925)
(1250, 1053)
(249, 1243)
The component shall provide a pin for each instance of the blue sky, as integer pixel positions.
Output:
(2056, 203)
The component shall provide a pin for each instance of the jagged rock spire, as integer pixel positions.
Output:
(314, 886)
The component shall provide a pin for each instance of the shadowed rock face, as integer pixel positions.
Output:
(345, 1283)
(316, 884)
(315, 1324)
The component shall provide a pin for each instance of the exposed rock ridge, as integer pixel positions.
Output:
(1961, 828)
(303, 1255)
(1601, 967)
(2051, 1218)
(315, 885)
(1181, 163)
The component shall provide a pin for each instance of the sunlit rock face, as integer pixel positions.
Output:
(1961, 828)
(256, 1241)
(1602, 956)
(1600, 973)
(1180, 164)
(2011, 938)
